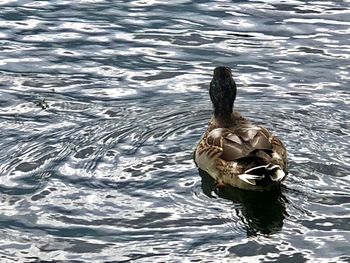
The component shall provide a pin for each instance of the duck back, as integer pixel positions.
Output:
(240, 141)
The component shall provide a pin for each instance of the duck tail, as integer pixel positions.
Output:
(263, 174)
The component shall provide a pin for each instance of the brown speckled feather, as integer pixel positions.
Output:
(244, 146)
(243, 139)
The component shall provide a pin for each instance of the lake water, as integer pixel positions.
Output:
(102, 104)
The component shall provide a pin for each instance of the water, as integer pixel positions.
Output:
(105, 173)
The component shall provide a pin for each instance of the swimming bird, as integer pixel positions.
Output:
(234, 151)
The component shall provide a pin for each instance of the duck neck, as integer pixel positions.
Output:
(223, 120)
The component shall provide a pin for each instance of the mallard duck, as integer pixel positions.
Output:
(235, 151)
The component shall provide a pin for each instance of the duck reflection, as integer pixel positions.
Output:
(261, 212)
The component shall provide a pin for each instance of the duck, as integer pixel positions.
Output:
(234, 151)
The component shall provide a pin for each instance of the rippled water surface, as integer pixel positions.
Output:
(102, 104)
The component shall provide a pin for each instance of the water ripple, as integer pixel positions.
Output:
(104, 171)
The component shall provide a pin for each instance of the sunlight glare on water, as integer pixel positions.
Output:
(102, 104)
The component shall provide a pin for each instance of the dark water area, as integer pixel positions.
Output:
(102, 104)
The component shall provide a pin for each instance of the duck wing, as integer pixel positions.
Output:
(242, 141)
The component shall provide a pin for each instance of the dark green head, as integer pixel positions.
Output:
(222, 92)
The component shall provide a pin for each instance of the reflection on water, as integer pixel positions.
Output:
(103, 102)
(262, 213)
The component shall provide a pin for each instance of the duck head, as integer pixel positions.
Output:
(222, 92)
